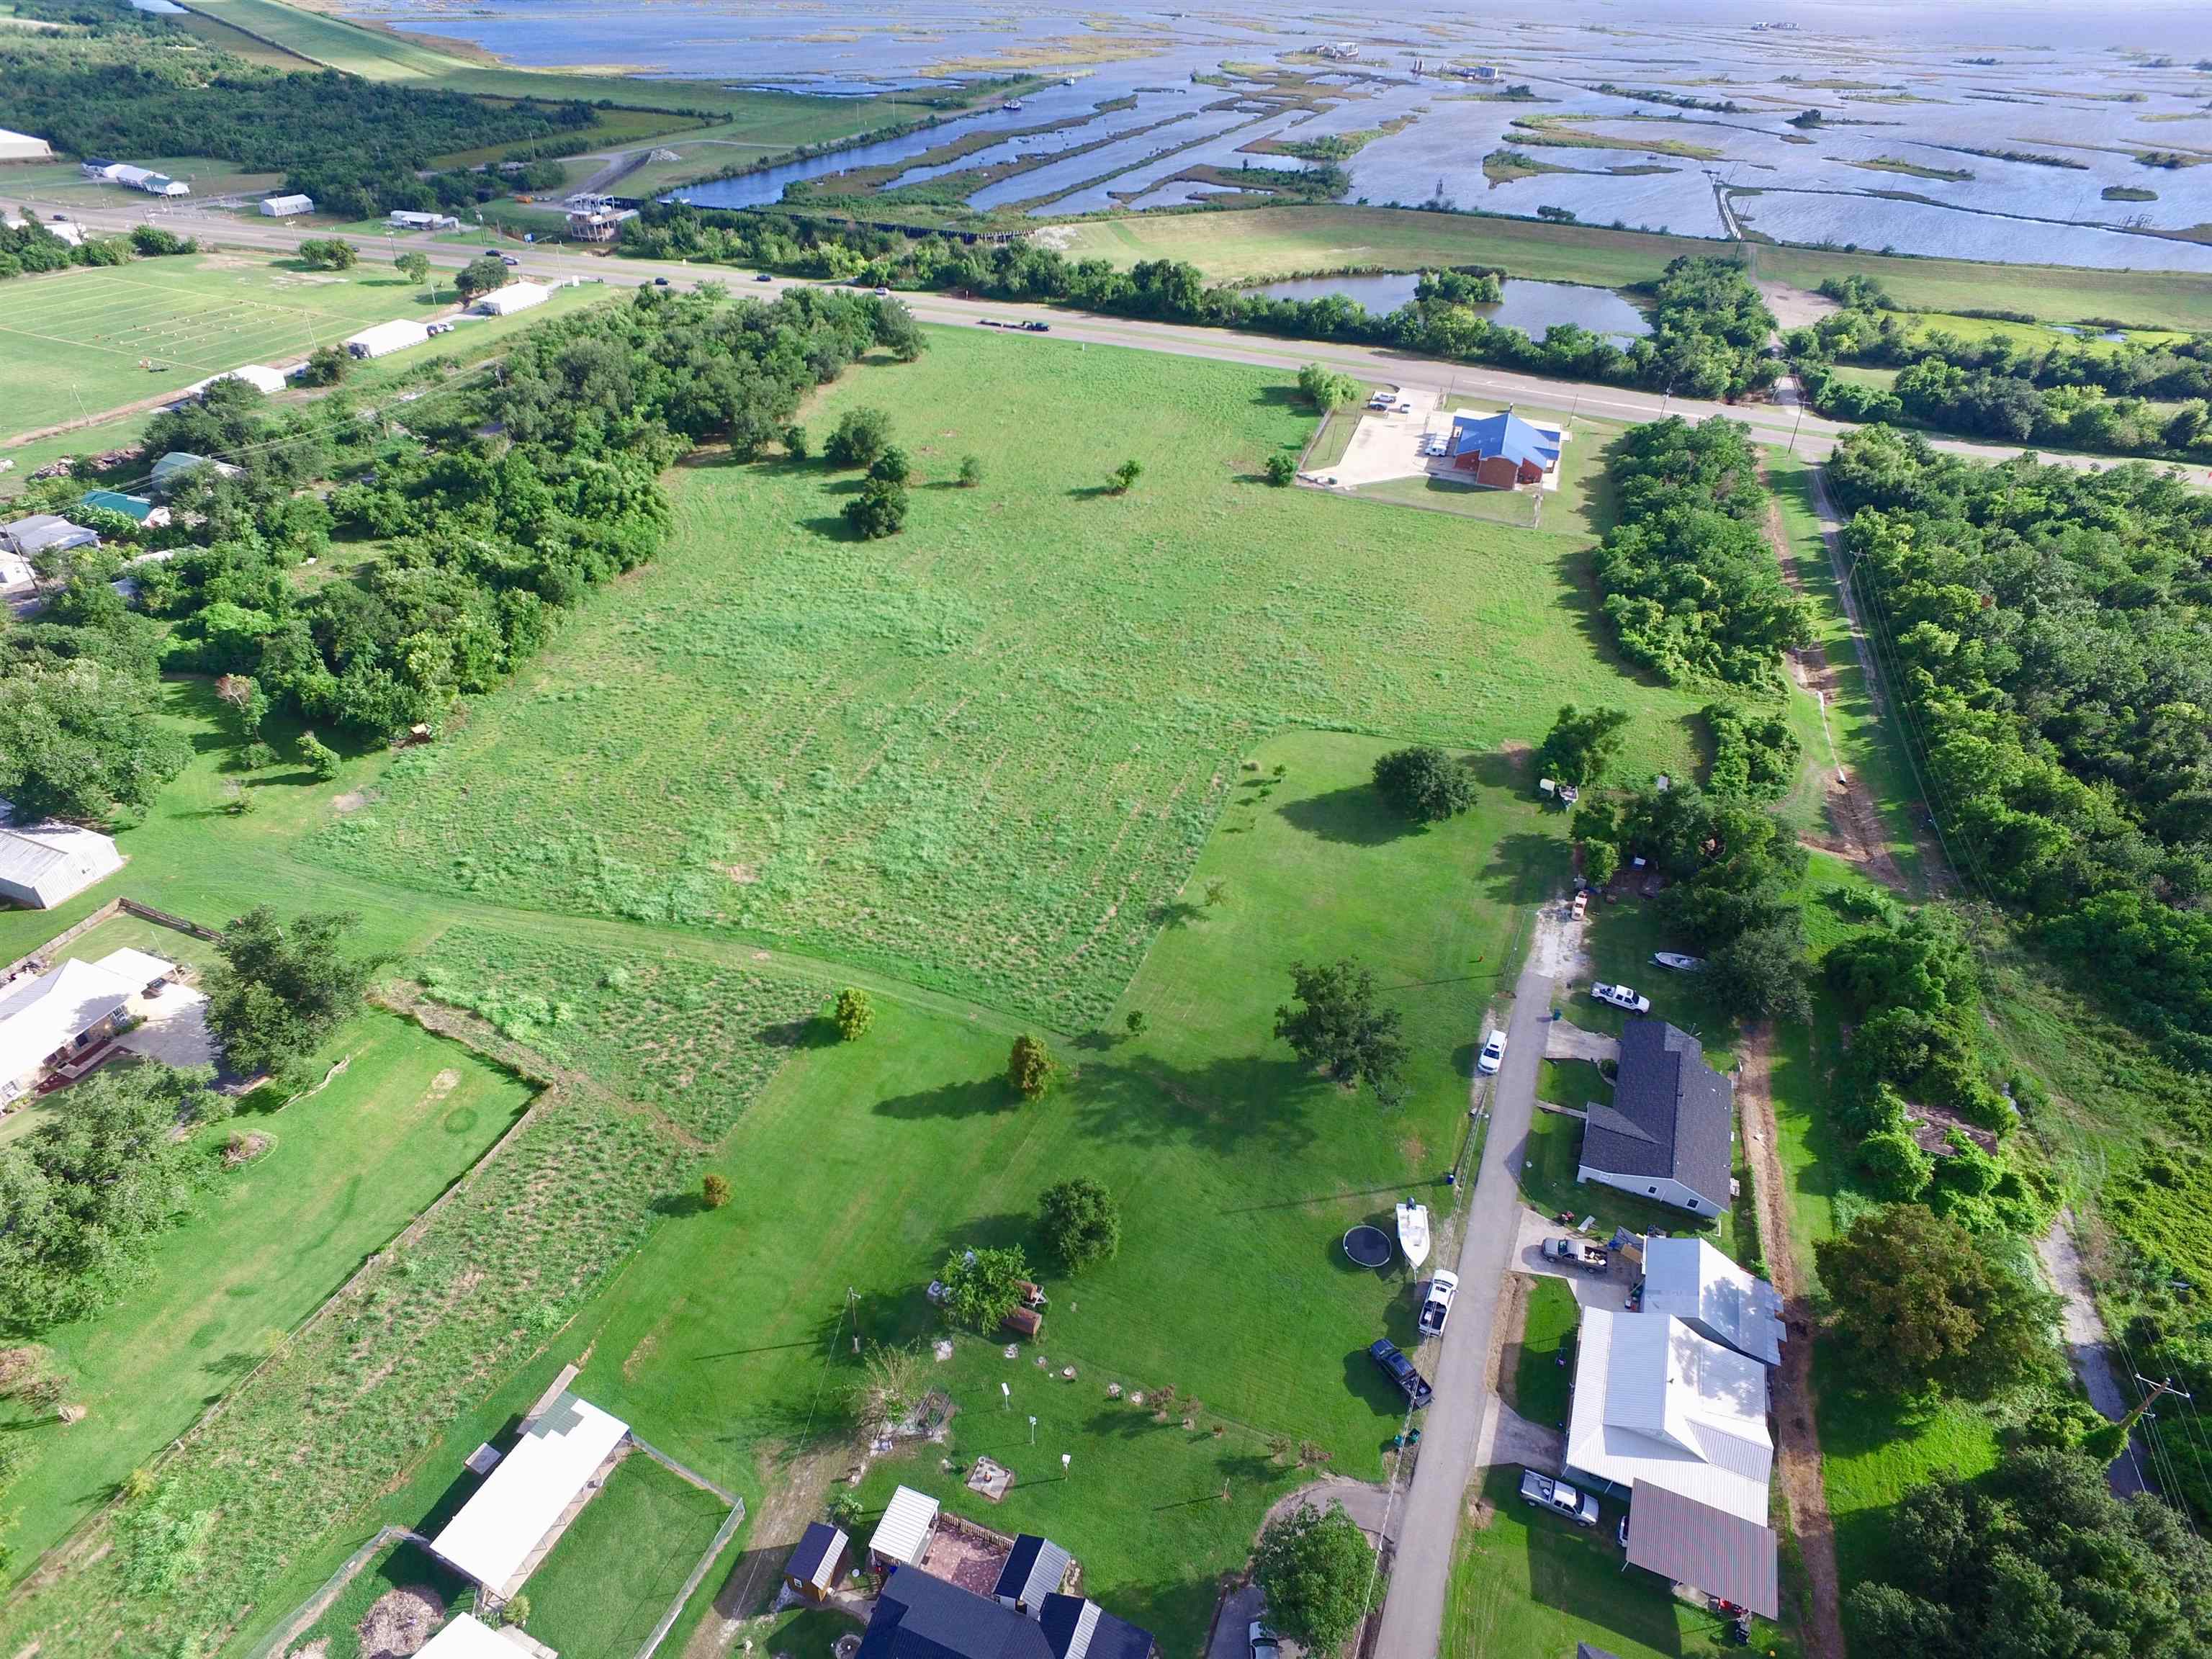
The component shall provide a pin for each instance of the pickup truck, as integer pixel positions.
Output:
(1559, 1497)
(1436, 1307)
(1577, 1253)
(1621, 996)
(1400, 1370)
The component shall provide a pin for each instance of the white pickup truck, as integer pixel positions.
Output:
(1559, 1497)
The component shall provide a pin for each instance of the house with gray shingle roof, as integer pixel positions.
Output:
(1670, 1133)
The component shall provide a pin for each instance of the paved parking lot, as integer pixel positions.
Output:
(1387, 444)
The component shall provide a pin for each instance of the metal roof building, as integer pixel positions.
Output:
(462, 1637)
(494, 1538)
(1657, 1405)
(285, 206)
(1035, 1568)
(43, 863)
(1670, 1132)
(1690, 1279)
(902, 1536)
(22, 147)
(1075, 1628)
(1686, 1542)
(170, 469)
(515, 296)
(42, 531)
(43, 1016)
(386, 337)
(257, 375)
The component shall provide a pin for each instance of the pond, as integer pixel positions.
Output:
(1531, 307)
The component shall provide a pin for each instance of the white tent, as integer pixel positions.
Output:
(43, 863)
(515, 296)
(1657, 1404)
(498, 1529)
(387, 338)
(904, 1532)
(1690, 1279)
(22, 147)
(285, 206)
(254, 374)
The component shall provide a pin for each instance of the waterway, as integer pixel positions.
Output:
(1532, 308)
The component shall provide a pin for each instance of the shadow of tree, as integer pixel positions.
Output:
(975, 1097)
(1353, 817)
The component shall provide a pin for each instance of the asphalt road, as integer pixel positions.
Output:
(1414, 1606)
(1801, 431)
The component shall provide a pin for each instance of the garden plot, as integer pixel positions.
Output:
(981, 757)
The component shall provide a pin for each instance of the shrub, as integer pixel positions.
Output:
(854, 1013)
(713, 1190)
(1124, 477)
(257, 755)
(795, 442)
(326, 365)
(1280, 469)
(982, 1287)
(892, 465)
(858, 438)
(1423, 784)
(971, 471)
(1325, 388)
(320, 758)
(879, 510)
(1029, 1067)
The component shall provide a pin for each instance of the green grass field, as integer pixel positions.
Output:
(1250, 246)
(957, 758)
(611, 1577)
(350, 1167)
(85, 340)
(1533, 1586)
(2149, 299)
(1533, 1368)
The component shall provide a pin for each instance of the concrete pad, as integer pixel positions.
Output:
(1386, 444)
(1608, 1289)
(1564, 1040)
(175, 1031)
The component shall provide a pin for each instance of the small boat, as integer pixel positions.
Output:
(1680, 964)
(1413, 1231)
(1013, 103)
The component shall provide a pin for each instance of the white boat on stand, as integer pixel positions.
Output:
(1413, 1231)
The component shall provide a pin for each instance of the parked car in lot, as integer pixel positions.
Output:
(1492, 1055)
(1436, 1307)
(1621, 996)
(1559, 1497)
(1400, 1370)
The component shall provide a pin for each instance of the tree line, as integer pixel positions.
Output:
(113, 80)
(2046, 630)
(2069, 393)
(30, 248)
(1709, 326)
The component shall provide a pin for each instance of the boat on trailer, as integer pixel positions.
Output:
(1413, 1231)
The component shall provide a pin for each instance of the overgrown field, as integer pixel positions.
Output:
(982, 755)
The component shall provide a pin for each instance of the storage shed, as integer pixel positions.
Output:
(257, 376)
(557, 1465)
(1035, 1568)
(286, 207)
(817, 1564)
(386, 337)
(902, 1536)
(43, 863)
(515, 296)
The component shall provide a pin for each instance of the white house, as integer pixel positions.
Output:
(1655, 1404)
(43, 863)
(1670, 1133)
(386, 337)
(403, 220)
(286, 207)
(64, 1017)
(565, 1453)
(1689, 1279)
(515, 296)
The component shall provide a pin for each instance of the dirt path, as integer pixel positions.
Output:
(2088, 1349)
(1852, 816)
(1798, 1455)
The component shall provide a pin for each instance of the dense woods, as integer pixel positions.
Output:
(116, 82)
(2047, 630)
(1690, 584)
(1709, 325)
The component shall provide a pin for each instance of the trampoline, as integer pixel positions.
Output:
(1368, 1246)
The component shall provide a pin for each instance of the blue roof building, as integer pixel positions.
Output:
(1476, 439)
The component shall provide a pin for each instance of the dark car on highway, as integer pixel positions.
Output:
(1400, 1370)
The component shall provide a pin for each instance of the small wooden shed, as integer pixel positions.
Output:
(817, 1564)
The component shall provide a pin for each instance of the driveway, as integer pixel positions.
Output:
(1567, 1040)
(1509, 1437)
(176, 1030)
(1413, 1608)
(1245, 1603)
(1386, 444)
(1607, 1290)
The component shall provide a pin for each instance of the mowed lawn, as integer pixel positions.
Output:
(622, 1560)
(350, 1167)
(981, 757)
(728, 1341)
(87, 339)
